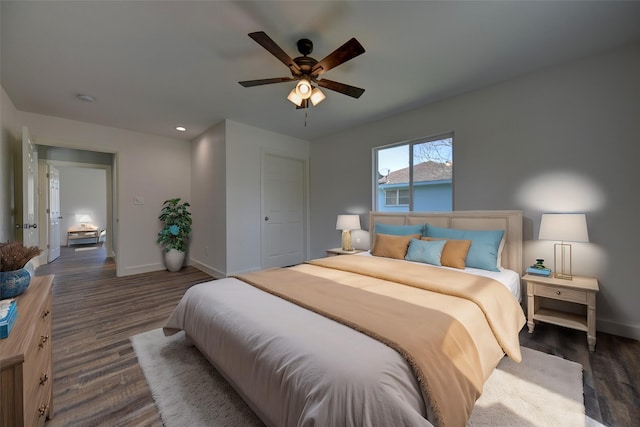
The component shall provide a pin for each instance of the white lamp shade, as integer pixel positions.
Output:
(83, 218)
(348, 222)
(564, 227)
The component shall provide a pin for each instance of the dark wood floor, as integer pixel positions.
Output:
(97, 379)
(98, 382)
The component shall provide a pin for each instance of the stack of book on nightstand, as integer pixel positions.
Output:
(536, 271)
(8, 314)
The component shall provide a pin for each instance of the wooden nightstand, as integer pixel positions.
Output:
(339, 251)
(580, 290)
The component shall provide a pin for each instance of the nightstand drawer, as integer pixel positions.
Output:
(560, 293)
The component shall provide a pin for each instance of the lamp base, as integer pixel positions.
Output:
(346, 240)
(559, 250)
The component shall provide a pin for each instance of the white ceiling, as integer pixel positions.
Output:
(153, 65)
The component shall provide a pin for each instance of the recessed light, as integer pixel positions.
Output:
(181, 128)
(85, 98)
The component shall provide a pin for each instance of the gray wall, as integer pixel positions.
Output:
(560, 140)
(226, 165)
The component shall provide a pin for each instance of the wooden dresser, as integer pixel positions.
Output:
(26, 376)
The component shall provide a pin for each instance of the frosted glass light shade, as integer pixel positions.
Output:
(303, 89)
(317, 96)
(294, 97)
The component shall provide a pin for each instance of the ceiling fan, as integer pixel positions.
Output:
(307, 71)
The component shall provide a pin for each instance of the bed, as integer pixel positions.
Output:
(368, 339)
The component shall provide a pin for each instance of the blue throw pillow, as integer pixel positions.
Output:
(425, 251)
(399, 230)
(483, 252)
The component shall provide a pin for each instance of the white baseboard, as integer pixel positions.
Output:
(618, 328)
(138, 269)
(207, 269)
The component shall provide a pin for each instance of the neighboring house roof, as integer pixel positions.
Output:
(426, 171)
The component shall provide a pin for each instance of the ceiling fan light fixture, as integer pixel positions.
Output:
(317, 96)
(294, 97)
(304, 88)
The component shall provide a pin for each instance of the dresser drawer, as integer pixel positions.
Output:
(560, 293)
(38, 376)
(25, 358)
(38, 410)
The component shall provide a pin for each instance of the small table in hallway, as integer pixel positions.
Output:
(77, 233)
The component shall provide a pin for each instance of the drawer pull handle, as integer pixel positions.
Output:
(42, 410)
(558, 292)
(45, 313)
(43, 340)
(43, 378)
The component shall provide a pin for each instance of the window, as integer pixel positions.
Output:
(415, 175)
(395, 197)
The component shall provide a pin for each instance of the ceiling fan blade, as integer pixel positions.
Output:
(352, 91)
(266, 42)
(250, 83)
(347, 51)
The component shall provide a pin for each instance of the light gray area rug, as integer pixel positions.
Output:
(543, 390)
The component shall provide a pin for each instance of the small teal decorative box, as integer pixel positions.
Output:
(544, 272)
(8, 315)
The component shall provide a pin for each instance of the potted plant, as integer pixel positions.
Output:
(176, 226)
(14, 277)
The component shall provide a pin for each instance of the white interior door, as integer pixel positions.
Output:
(53, 212)
(282, 211)
(26, 229)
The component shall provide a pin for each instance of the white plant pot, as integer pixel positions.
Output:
(174, 259)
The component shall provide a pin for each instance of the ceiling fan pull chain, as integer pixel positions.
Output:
(305, 117)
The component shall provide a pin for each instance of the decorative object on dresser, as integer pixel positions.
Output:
(14, 277)
(346, 223)
(25, 360)
(565, 228)
(579, 291)
(8, 315)
(176, 227)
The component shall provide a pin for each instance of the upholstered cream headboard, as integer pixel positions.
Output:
(508, 220)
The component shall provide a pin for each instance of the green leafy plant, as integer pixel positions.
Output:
(176, 225)
(14, 255)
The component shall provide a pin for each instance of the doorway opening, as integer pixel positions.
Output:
(76, 206)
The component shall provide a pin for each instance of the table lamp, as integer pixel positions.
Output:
(84, 220)
(346, 223)
(565, 228)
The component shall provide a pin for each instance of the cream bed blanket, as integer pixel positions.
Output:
(443, 355)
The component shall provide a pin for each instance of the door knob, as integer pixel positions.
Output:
(266, 218)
